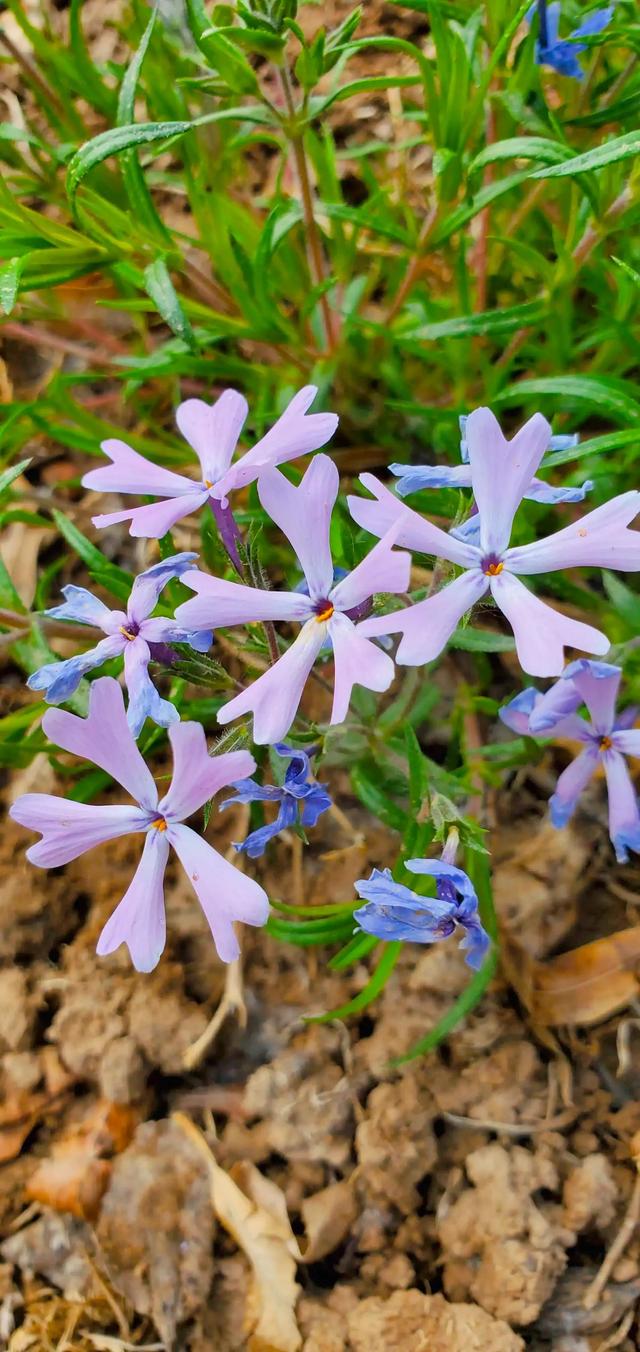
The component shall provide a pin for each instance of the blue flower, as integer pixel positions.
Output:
(562, 53)
(395, 912)
(129, 632)
(300, 797)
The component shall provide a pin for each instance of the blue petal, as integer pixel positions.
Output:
(541, 492)
(314, 804)
(564, 443)
(256, 843)
(248, 791)
(516, 713)
(594, 23)
(468, 531)
(82, 606)
(475, 945)
(59, 680)
(148, 585)
(411, 478)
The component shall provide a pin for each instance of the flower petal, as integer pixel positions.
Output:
(59, 680)
(220, 603)
(155, 519)
(275, 696)
(415, 531)
(132, 473)
(104, 737)
(213, 430)
(624, 818)
(600, 539)
(148, 585)
(83, 606)
(357, 662)
(538, 491)
(427, 626)
(571, 783)
(159, 630)
(541, 633)
(139, 919)
(295, 433)
(197, 776)
(412, 478)
(501, 471)
(517, 713)
(224, 893)
(304, 516)
(597, 685)
(627, 740)
(144, 700)
(383, 569)
(68, 828)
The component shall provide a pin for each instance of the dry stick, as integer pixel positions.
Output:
(411, 275)
(595, 1289)
(314, 246)
(22, 622)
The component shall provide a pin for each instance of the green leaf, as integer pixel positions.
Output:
(367, 784)
(8, 475)
(113, 142)
(160, 288)
(134, 180)
(620, 148)
(9, 599)
(538, 148)
(220, 54)
(375, 984)
(417, 769)
(481, 641)
(507, 320)
(10, 274)
(601, 393)
(93, 88)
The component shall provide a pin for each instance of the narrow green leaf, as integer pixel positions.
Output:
(539, 148)
(481, 641)
(134, 180)
(8, 475)
(10, 275)
(603, 393)
(620, 148)
(113, 142)
(160, 288)
(507, 320)
(88, 552)
(375, 984)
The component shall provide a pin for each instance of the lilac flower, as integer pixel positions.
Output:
(69, 829)
(562, 53)
(326, 613)
(130, 632)
(501, 472)
(395, 912)
(212, 431)
(413, 478)
(606, 740)
(300, 798)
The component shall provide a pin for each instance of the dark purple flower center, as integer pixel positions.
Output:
(492, 565)
(131, 631)
(323, 609)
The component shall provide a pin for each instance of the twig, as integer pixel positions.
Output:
(596, 1287)
(413, 270)
(513, 1128)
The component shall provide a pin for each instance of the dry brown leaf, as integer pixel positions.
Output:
(22, 1109)
(19, 548)
(254, 1212)
(74, 1177)
(328, 1217)
(584, 986)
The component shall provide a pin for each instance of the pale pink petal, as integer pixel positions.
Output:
(131, 473)
(197, 776)
(627, 740)
(416, 532)
(541, 633)
(382, 570)
(597, 684)
(304, 516)
(357, 662)
(571, 784)
(156, 518)
(224, 893)
(501, 471)
(600, 539)
(213, 430)
(139, 919)
(427, 626)
(220, 603)
(69, 829)
(274, 697)
(104, 737)
(295, 433)
(624, 816)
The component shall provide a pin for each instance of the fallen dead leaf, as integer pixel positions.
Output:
(74, 1177)
(584, 986)
(254, 1212)
(328, 1217)
(23, 1109)
(19, 549)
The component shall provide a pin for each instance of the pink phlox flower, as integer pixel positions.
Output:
(501, 473)
(68, 828)
(212, 430)
(326, 613)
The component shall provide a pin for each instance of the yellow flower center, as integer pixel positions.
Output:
(605, 744)
(326, 614)
(160, 824)
(127, 633)
(493, 569)
(208, 483)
